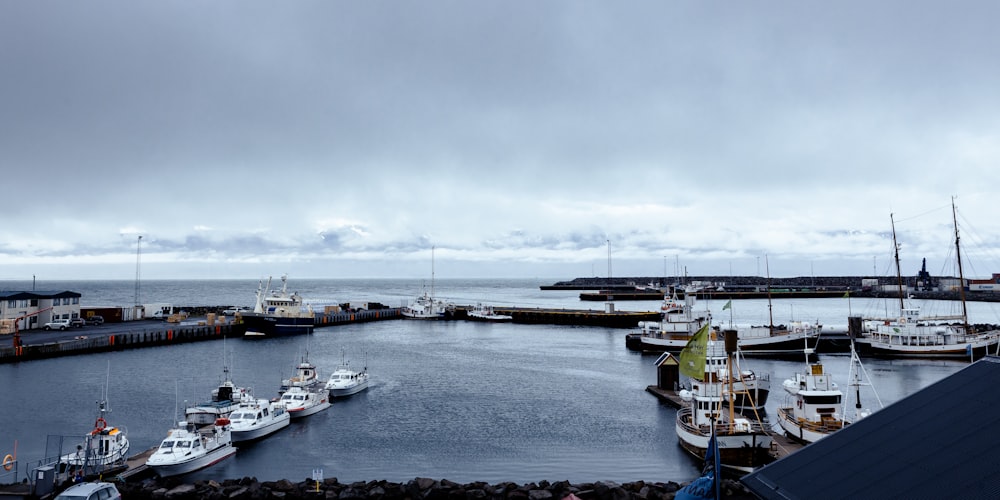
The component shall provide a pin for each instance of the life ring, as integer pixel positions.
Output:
(8, 462)
(101, 424)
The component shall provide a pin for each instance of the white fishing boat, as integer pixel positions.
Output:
(485, 312)
(744, 444)
(187, 448)
(225, 398)
(679, 322)
(278, 313)
(914, 335)
(306, 377)
(257, 419)
(425, 306)
(300, 403)
(344, 381)
(812, 406)
(104, 446)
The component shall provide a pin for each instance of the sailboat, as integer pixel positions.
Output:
(743, 444)
(426, 306)
(912, 335)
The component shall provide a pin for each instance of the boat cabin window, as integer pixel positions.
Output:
(184, 444)
(822, 400)
(167, 444)
(265, 412)
(335, 377)
(300, 398)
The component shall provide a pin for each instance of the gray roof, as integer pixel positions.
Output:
(36, 294)
(937, 443)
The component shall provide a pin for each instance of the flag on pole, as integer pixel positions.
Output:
(847, 294)
(693, 355)
(728, 305)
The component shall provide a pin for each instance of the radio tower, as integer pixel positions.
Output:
(138, 254)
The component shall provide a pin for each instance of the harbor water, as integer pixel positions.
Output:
(456, 400)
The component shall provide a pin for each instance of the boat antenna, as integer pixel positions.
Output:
(138, 253)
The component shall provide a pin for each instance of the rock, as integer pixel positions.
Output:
(181, 491)
(539, 495)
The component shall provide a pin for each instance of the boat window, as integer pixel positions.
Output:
(265, 412)
(300, 398)
(286, 397)
(335, 377)
(822, 400)
(167, 444)
(184, 444)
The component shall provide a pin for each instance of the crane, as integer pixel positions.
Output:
(17, 334)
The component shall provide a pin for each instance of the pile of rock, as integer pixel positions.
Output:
(415, 489)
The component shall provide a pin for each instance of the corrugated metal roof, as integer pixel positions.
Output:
(937, 443)
(37, 294)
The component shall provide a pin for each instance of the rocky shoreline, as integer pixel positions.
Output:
(415, 489)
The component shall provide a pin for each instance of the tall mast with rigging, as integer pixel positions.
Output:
(899, 274)
(961, 277)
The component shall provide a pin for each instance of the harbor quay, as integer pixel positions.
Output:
(207, 326)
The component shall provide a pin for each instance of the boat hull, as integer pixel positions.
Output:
(801, 432)
(309, 410)
(780, 346)
(338, 392)
(264, 325)
(740, 452)
(258, 431)
(168, 469)
(873, 348)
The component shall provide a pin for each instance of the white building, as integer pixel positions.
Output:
(35, 308)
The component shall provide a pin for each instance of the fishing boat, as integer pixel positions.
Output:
(225, 398)
(812, 408)
(306, 376)
(188, 448)
(278, 312)
(485, 312)
(425, 306)
(679, 322)
(743, 444)
(914, 335)
(257, 419)
(300, 403)
(103, 447)
(344, 381)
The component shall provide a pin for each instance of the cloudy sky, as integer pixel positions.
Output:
(344, 139)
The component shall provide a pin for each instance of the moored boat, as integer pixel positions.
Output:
(225, 398)
(485, 312)
(344, 381)
(103, 447)
(679, 322)
(278, 313)
(913, 335)
(425, 306)
(306, 376)
(743, 444)
(812, 406)
(300, 403)
(187, 448)
(257, 419)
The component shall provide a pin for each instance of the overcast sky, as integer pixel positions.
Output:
(344, 139)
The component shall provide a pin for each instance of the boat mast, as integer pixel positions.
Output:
(961, 277)
(770, 316)
(432, 278)
(899, 274)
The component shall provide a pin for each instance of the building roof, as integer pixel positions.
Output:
(936, 443)
(36, 294)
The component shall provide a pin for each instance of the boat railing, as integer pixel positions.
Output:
(824, 426)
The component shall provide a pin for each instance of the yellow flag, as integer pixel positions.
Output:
(692, 358)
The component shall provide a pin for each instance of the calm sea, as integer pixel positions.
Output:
(457, 400)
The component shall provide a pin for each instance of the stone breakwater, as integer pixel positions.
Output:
(415, 489)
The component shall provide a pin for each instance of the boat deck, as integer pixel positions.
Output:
(136, 466)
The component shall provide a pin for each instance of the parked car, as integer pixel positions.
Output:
(90, 491)
(77, 322)
(232, 311)
(95, 320)
(57, 324)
